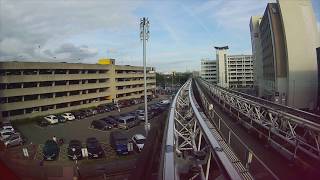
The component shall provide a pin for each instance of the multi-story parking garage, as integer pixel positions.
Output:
(31, 89)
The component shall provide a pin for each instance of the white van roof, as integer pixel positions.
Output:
(126, 117)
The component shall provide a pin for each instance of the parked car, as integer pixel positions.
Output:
(94, 148)
(79, 114)
(6, 125)
(61, 119)
(4, 134)
(50, 150)
(156, 110)
(126, 122)
(119, 142)
(110, 120)
(101, 109)
(138, 141)
(13, 140)
(90, 112)
(162, 106)
(68, 116)
(140, 115)
(124, 103)
(111, 106)
(100, 124)
(52, 119)
(7, 128)
(42, 122)
(74, 150)
(165, 102)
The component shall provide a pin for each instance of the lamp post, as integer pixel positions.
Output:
(144, 36)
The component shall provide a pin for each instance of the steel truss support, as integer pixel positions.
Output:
(196, 151)
(293, 134)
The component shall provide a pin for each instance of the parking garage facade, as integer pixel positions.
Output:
(32, 89)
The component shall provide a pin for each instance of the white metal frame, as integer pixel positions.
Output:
(301, 133)
(189, 131)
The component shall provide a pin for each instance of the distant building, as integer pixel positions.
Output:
(318, 61)
(256, 54)
(234, 71)
(288, 37)
(31, 89)
(209, 70)
(240, 71)
(229, 71)
(195, 73)
(222, 65)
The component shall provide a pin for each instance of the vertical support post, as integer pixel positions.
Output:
(199, 142)
(208, 166)
(249, 160)
(144, 27)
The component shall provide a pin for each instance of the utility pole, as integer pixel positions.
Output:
(144, 36)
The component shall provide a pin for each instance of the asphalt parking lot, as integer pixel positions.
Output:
(80, 130)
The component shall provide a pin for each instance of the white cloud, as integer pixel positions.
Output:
(24, 25)
(232, 14)
(71, 51)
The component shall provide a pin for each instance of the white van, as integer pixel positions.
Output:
(126, 122)
(165, 102)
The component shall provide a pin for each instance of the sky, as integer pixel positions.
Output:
(182, 32)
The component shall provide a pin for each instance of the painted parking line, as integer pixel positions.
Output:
(39, 153)
(37, 126)
(63, 154)
(94, 129)
(109, 152)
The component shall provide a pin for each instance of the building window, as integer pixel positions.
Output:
(13, 72)
(30, 72)
(74, 71)
(3, 100)
(76, 103)
(13, 85)
(62, 105)
(92, 71)
(91, 81)
(60, 83)
(74, 82)
(102, 80)
(2, 72)
(5, 114)
(14, 99)
(73, 93)
(29, 84)
(92, 91)
(102, 71)
(45, 71)
(60, 71)
(2, 85)
(30, 97)
(46, 96)
(45, 83)
(61, 94)
(46, 108)
(16, 112)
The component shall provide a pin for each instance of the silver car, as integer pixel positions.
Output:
(4, 134)
(13, 140)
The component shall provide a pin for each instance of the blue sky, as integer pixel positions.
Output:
(181, 32)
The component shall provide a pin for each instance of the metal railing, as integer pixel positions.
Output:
(295, 136)
(190, 133)
(251, 161)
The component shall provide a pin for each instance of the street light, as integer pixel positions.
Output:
(144, 36)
